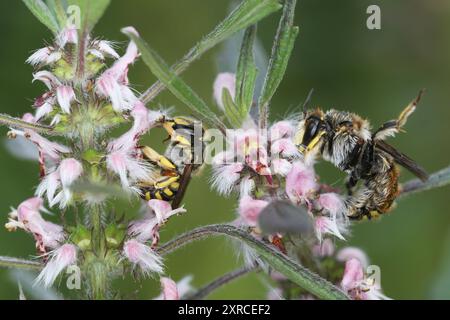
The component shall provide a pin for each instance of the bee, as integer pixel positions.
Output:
(183, 156)
(345, 139)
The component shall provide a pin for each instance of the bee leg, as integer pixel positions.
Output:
(392, 127)
(360, 214)
(350, 184)
(161, 161)
(171, 126)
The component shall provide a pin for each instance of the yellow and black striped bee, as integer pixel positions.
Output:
(183, 156)
(345, 140)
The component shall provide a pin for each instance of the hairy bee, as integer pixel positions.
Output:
(345, 140)
(182, 157)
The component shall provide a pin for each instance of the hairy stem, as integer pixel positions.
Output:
(97, 268)
(15, 123)
(9, 262)
(217, 283)
(436, 180)
(280, 262)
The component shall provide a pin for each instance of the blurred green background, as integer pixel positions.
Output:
(374, 73)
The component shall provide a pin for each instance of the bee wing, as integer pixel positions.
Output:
(403, 160)
(184, 181)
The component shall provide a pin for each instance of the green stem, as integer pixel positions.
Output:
(9, 262)
(97, 268)
(15, 123)
(219, 282)
(247, 13)
(303, 277)
(436, 180)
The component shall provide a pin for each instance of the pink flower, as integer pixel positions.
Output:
(48, 78)
(173, 290)
(105, 47)
(225, 177)
(169, 289)
(44, 109)
(44, 56)
(144, 229)
(163, 210)
(281, 167)
(282, 129)
(39, 56)
(60, 259)
(324, 249)
(28, 218)
(127, 166)
(69, 171)
(49, 185)
(147, 228)
(65, 96)
(349, 253)
(46, 148)
(300, 182)
(357, 285)
(132, 51)
(107, 86)
(245, 141)
(113, 82)
(246, 187)
(249, 210)
(143, 256)
(285, 148)
(144, 119)
(326, 225)
(223, 81)
(331, 202)
(353, 275)
(68, 35)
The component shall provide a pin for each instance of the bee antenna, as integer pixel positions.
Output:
(307, 101)
(419, 96)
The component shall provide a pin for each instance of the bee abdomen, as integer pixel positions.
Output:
(165, 190)
(376, 196)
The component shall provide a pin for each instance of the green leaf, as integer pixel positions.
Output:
(175, 84)
(58, 9)
(246, 14)
(91, 12)
(281, 52)
(231, 110)
(43, 14)
(246, 73)
(298, 274)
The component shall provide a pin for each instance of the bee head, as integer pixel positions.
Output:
(313, 131)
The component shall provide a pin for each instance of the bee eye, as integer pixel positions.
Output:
(312, 127)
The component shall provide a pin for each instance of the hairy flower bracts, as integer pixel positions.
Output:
(265, 165)
(266, 169)
(84, 100)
